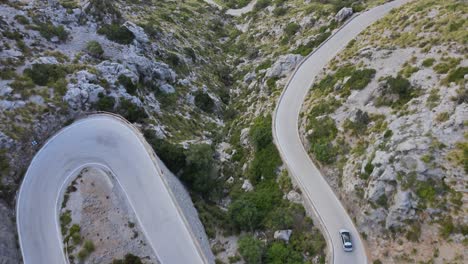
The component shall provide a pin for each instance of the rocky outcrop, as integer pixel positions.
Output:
(283, 65)
(83, 92)
(343, 14)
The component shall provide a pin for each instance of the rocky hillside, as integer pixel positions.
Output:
(201, 85)
(387, 120)
(160, 64)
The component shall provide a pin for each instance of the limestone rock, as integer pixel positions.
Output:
(343, 14)
(284, 65)
(247, 186)
(244, 137)
(283, 234)
(294, 197)
(45, 60)
(139, 32)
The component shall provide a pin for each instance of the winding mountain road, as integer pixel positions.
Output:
(108, 142)
(317, 192)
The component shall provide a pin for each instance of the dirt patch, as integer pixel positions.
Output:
(98, 223)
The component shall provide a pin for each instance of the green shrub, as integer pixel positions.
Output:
(457, 74)
(43, 74)
(446, 65)
(261, 4)
(131, 111)
(4, 164)
(251, 249)
(128, 259)
(261, 132)
(264, 164)
(117, 33)
(360, 79)
(264, 65)
(48, 30)
(280, 11)
(204, 102)
(280, 253)
(428, 62)
(172, 155)
(291, 29)
(94, 49)
(89, 246)
(105, 103)
(22, 19)
(324, 107)
(248, 212)
(324, 131)
(199, 172)
(127, 82)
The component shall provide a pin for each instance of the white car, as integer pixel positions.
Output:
(346, 239)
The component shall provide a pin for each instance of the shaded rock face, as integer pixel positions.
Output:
(284, 65)
(9, 253)
(343, 14)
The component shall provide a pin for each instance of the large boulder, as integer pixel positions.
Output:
(343, 14)
(139, 32)
(247, 186)
(283, 234)
(284, 65)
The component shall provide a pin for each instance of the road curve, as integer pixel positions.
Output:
(317, 192)
(108, 142)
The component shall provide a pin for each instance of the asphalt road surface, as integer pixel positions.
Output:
(316, 190)
(109, 142)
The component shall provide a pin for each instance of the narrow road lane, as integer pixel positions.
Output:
(285, 130)
(110, 142)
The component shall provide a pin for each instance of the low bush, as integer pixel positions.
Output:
(457, 75)
(324, 131)
(94, 49)
(261, 4)
(428, 62)
(131, 111)
(291, 29)
(360, 79)
(204, 102)
(48, 30)
(281, 253)
(22, 19)
(251, 249)
(249, 211)
(105, 103)
(117, 33)
(128, 259)
(44, 74)
(127, 82)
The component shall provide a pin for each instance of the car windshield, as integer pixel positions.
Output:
(346, 237)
